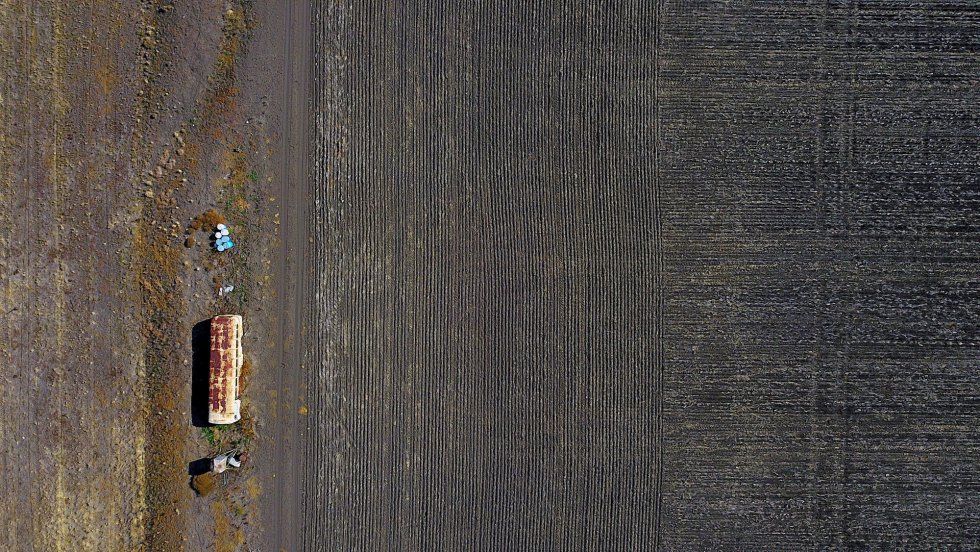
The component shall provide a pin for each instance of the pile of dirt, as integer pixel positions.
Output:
(204, 484)
(207, 220)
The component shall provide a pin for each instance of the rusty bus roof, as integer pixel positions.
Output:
(226, 362)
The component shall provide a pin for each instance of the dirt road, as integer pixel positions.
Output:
(284, 33)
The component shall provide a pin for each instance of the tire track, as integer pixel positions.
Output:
(284, 457)
(660, 319)
(284, 236)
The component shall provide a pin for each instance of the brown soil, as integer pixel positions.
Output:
(73, 406)
(135, 140)
(208, 220)
(645, 276)
(204, 484)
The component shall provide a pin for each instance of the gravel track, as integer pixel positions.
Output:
(282, 464)
(288, 490)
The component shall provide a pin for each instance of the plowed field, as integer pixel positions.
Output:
(688, 275)
(488, 249)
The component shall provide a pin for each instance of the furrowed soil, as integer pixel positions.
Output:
(485, 364)
(820, 192)
(641, 275)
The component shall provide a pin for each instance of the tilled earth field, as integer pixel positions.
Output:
(485, 357)
(629, 275)
(820, 194)
(485, 354)
(72, 475)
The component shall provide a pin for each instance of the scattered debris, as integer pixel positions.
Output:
(222, 241)
(222, 462)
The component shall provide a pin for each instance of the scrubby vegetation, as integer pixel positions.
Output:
(204, 484)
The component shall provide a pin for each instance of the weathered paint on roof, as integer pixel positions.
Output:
(226, 361)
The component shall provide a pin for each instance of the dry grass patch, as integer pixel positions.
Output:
(204, 484)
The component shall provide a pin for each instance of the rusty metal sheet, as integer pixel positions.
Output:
(226, 354)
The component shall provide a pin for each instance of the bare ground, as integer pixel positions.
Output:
(587, 276)
(485, 364)
(121, 125)
(72, 368)
(635, 275)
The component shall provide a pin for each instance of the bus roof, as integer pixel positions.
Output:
(224, 406)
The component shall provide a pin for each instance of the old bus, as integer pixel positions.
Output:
(224, 404)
